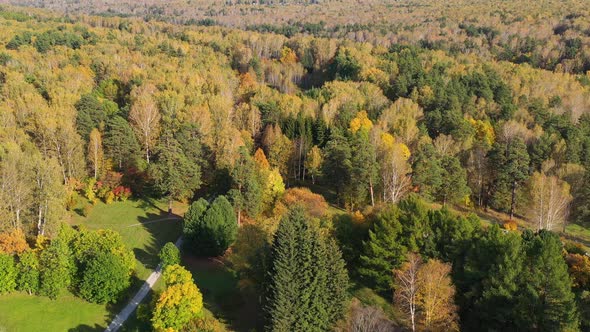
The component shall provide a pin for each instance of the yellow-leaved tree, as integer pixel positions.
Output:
(180, 303)
(395, 169)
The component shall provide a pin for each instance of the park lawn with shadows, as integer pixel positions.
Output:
(221, 295)
(144, 224)
(20, 312)
(145, 227)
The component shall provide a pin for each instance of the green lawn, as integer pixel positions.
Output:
(139, 223)
(21, 312)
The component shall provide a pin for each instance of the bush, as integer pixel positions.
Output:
(510, 225)
(28, 272)
(169, 255)
(105, 278)
(71, 201)
(7, 273)
(110, 197)
(87, 209)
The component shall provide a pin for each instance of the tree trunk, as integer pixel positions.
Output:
(170, 205)
(372, 193)
(239, 217)
(513, 200)
(39, 221)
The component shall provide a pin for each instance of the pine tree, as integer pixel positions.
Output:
(383, 251)
(120, 143)
(489, 281)
(512, 167)
(210, 229)
(175, 175)
(454, 181)
(546, 298)
(308, 279)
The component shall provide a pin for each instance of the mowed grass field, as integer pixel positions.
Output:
(20, 312)
(145, 227)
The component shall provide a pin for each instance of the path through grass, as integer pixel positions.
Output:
(136, 221)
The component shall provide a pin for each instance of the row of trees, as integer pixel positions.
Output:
(94, 265)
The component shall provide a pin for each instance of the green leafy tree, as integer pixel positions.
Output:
(105, 278)
(246, 192)
(28, 272)
(383, 251)
(56, 267)
(87, 244)
(8, 273)
(308, 279)
(169, 254)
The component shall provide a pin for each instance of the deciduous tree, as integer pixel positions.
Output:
(145, 117)
(406, 286)
(95, 152)
(549, 201)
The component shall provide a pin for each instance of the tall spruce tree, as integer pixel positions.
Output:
(308, 279)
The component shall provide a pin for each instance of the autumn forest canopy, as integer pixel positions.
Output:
(347, 166)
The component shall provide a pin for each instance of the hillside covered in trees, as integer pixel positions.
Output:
(361, 181)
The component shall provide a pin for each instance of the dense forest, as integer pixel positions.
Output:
(548, 34)
(441, 172)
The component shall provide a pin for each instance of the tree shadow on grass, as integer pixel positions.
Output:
(150, 203)
(221, 294)
(87, 328)
(163, 228)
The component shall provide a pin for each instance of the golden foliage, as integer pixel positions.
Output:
(13, 242)
(361, 123)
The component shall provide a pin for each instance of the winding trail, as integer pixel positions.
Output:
(120, 319)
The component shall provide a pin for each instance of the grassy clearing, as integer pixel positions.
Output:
(22, 313)
(139, 223)
(144, 225)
